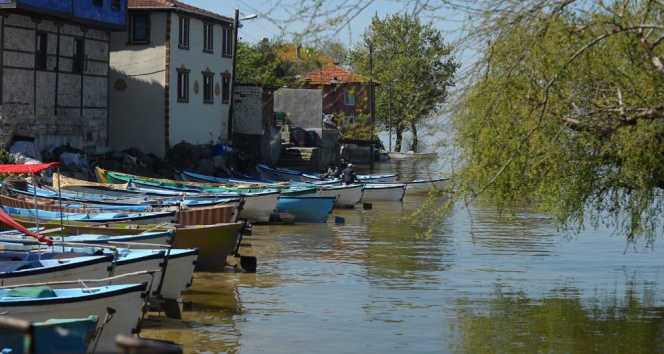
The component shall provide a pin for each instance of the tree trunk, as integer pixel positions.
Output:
(415, 146)
(399, 139)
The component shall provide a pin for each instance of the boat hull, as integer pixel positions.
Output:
(126, 300)
(346, 196)
(384, 192)
(307, 209)
(215, 243)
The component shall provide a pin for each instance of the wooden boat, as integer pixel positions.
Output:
(226, 212)
(189, 176)
(101, 217)
(307, 209)
(384, 192)
(215, 242)
(412, 155)
(119, 304)
(346, 196)
(23, 268)
(425, 185)
(259, 203)
(283, 174)
(67, 335)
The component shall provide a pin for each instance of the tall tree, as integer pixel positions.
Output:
(413, 58)
(262, 63)
(566, 109)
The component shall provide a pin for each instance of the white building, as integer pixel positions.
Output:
(170, 77)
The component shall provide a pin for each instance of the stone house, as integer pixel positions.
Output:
(54, 71)
(170, 77)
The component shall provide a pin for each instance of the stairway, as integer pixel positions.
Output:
(303, 159)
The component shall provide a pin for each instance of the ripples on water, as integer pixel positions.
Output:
(478, 283)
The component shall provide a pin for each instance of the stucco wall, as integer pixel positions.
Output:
(54, 105)
(303, 107)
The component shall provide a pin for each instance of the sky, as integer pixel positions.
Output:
(254, 30)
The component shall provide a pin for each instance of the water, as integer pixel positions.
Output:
(478, 282)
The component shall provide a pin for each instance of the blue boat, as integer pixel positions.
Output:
(69, 335)
(306, 209)
(155, 217)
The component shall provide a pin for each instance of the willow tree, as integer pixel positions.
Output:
(565, 110)
(412, 59)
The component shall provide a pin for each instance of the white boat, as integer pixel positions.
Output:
(412, 155)
(384, 192)
(259, 206)
(41, 303)
(347, 195)
(25, 268)
(425, 185)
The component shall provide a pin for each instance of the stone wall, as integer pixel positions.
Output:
(54, 105)
(248, 108)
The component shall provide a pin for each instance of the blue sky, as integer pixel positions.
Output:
(262, 27)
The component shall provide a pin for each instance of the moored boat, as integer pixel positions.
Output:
(117, 306)
(283, 174)
(62, 335)
(383, 192)
(308, 208)
(425, 185)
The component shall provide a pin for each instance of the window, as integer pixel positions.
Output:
(78, 56)
(98, 2)
(183, 85)
(41, 50)
(225, 88)
(184, 33)
(139, 25)
(115, 4)
(350, 119)
(227, 44)
(349, 98)
(208, 79)
(208, 37)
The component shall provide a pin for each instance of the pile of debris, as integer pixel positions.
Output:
(213, 160)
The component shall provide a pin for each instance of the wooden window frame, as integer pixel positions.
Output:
(184, 31)
(208, 37)
(208, 87)
(225, 88)
(183, 85)
(133, 39)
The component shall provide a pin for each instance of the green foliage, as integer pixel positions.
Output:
(262, 64)
(413, 59)
(565, 112)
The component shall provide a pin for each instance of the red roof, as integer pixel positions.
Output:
(173, 4)
(332, 73)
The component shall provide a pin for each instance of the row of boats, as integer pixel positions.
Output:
(95, 257)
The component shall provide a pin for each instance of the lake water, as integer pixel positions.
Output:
(479, 282)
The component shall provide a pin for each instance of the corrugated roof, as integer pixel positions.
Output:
(173, 4)
(331, 72)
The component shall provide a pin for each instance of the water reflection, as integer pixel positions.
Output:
(562, 322)
(381, 283)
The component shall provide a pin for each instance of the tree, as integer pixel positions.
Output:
(562, 107)
(414, 59)
(565, 110)
(261, 64)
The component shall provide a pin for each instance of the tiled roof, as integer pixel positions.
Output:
(173, 4)
(330, 72)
